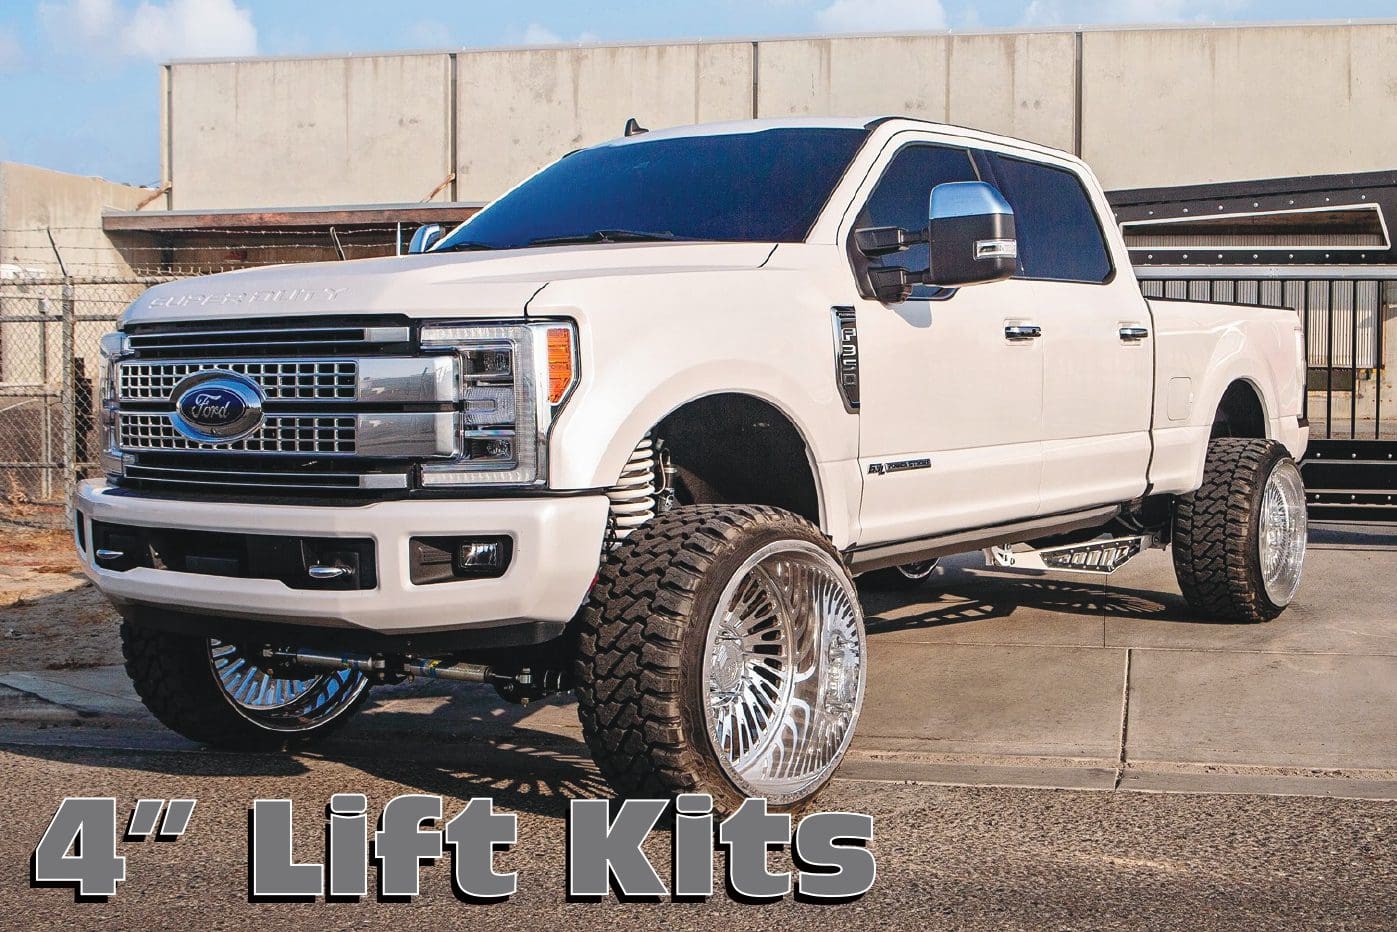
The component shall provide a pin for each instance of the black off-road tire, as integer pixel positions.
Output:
(641, 648)
(1216, 532)
(172, 675)
(894, 579)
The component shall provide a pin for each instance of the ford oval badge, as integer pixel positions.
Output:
(217, 406)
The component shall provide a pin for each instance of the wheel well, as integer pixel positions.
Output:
(1240, 413)
(736, 449)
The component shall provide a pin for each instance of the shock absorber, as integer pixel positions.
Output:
(635, 495)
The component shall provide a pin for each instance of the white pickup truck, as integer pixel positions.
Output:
(635, 428)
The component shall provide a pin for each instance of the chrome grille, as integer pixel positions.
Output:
(321, 435)
(280, 380)
(268, 340)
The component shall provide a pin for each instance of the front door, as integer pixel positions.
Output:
(951, 383)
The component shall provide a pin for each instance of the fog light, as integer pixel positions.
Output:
(479, 556)
(442, 559)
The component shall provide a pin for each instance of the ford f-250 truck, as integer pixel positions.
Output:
(634, 429)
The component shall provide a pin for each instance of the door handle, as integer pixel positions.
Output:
(1019, 332)
(1134, 334)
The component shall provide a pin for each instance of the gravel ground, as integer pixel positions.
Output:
(948, 857)
(51, 618)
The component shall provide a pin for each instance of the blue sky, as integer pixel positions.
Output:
(79, 82)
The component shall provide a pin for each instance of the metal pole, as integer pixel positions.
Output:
(1380, 356)
(46, 408)
(1304, 313)
(1353, 365)
(1329, 365)
(69, 393)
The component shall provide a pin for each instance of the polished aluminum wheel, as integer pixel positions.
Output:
(1282, 531)
(784, 671)
(280, 703)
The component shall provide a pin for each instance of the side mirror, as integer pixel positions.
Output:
(425, 238)
(971, 235)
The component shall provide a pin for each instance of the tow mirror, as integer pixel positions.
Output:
(425, 238)
(971, 234)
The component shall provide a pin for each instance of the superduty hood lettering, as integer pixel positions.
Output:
(461, 284)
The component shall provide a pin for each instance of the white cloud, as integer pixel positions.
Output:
(11, 52)
(152, 29)
(538, 34)
(1055, 12)
(429, 33)
(881, 15)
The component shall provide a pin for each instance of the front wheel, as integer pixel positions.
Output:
(722, 652)
(1239, 540)
(223, 695)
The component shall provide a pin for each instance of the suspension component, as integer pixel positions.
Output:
(521, 686)
(634, 497)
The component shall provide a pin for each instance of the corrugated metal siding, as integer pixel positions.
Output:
(1338, 314)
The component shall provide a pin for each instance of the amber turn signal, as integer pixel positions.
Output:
(560, 359)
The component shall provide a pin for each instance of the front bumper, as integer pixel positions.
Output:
(557, 542)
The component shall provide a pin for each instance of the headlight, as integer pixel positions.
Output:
(113, 348)
(514, 378)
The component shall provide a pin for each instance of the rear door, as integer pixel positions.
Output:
(1097, 340)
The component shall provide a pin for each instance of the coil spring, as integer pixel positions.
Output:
(633, 497)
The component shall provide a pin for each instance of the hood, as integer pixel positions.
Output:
(457, 284)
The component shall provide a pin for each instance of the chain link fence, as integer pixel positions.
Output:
(50, 363)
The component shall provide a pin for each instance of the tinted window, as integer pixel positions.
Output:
(1059, 237)
(760, 187)
(903, 199)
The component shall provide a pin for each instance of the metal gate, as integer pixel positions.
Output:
(1351, 468)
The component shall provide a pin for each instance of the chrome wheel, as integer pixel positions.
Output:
(1282, 530)
(279, 703)
(784, 671)
(916, 572)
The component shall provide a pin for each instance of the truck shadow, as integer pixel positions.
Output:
(959, 596)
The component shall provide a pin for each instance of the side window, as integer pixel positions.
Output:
(1059, 234)
(902, 197)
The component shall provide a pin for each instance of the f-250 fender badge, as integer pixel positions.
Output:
(846, 356)
(882, 469)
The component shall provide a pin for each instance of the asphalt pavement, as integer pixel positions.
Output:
(1047, 751)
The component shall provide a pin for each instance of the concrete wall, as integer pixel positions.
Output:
(1016, 84)
(309, 132)
(519, 110)
(1183, 106)
(1145, 106)
(34, 201)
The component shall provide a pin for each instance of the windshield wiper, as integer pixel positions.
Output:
(604, 236)
(466, 246)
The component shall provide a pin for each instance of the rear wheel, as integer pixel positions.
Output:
(905, 576)
(722, 652)
(1239, 540)
(221, 694)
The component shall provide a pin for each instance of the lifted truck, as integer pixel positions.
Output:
(634, 428)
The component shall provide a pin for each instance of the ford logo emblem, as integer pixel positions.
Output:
(217, 406)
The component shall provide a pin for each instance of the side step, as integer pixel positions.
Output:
(1103, 556)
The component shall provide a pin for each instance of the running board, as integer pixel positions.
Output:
(1093, 556)
(878, 556)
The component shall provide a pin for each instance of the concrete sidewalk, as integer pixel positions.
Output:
(982, 677)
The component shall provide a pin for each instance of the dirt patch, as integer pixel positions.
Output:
(50, 616)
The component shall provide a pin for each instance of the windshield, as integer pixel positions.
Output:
(757, 187)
